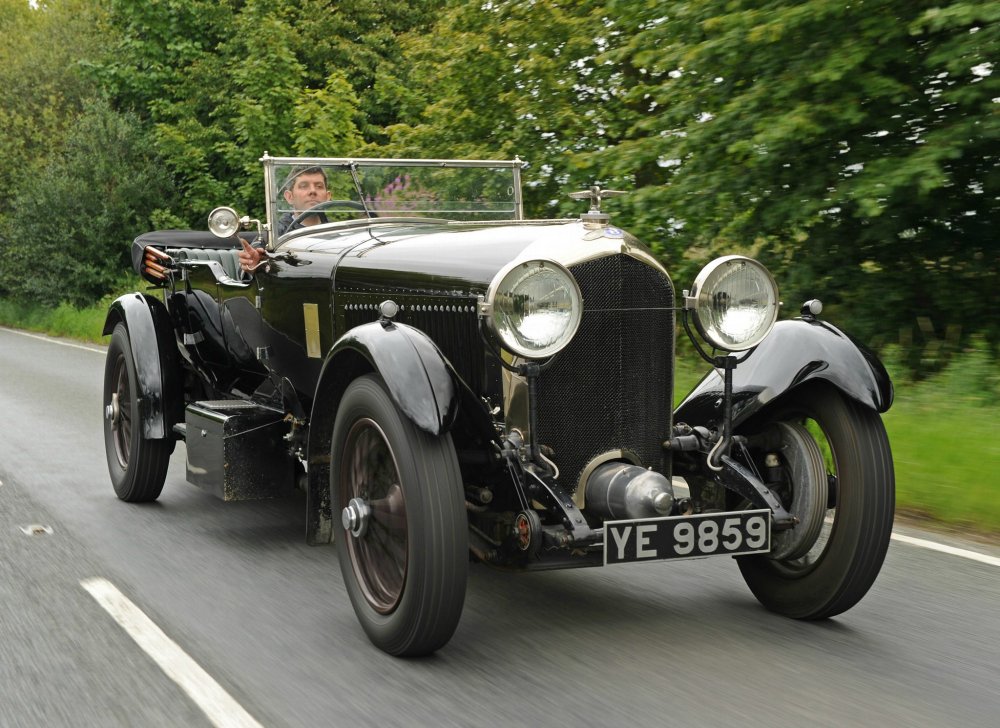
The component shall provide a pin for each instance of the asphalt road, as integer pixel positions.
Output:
(268, 621)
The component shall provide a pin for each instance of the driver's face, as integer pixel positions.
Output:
(308, 191)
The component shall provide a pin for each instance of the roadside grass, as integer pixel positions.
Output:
(944, 430)
(83, 324)
(946, 459)
(65, 320)
(945, 437)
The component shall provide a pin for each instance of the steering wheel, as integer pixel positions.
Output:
(328, 205)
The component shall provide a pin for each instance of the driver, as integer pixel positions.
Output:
(305, 188)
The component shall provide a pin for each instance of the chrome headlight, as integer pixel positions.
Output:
(735, 303)
(223, 222)
(533, 308)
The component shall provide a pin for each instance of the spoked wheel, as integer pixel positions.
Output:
(827, 563)
(403, 550)
(137, 465)
(375, 516)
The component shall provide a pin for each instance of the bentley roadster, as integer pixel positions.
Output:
(450, 382)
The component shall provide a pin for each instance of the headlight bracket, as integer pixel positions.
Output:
(719, 362)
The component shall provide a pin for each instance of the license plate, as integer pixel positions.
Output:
(687, 537)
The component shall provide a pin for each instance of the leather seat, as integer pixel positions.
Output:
(228, 259)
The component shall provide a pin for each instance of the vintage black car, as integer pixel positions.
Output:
(449, 382)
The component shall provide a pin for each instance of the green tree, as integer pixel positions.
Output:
(220, 83)
(43, 86)
(73, 220)
(43, 80)
(852, 146)
(356, 40)
(507, 78)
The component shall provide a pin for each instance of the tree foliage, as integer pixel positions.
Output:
(851, 146)
(73, 219)
(510, 78)
(42, 81)
(220, 83)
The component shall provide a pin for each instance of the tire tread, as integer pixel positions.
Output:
(860, 538)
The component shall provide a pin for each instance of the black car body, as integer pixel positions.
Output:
(447, 379)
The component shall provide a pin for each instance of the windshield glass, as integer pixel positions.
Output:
(304, 192)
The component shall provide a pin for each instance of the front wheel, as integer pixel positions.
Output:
(832, 571)
(137, 465)
(403, 544)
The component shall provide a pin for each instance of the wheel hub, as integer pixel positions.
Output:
(355, 517)
(809, 481)
(113, 411)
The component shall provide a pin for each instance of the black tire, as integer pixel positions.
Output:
(846, 558)
(406, 572)
(137, 465)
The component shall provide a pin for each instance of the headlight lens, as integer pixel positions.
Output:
(223, 222)
(534, 308)
(735, 303)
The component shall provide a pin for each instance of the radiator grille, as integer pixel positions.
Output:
(451, 323)
(611, 387)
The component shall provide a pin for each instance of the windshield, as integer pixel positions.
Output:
(310, 191)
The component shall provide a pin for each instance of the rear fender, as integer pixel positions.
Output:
(419, 380)
(796, 352)
(153, 352)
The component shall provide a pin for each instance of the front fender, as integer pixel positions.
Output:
(420, 383)
(413, 368)
(150, 333)
(796, 352)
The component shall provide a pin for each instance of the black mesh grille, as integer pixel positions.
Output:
(451, 323)
(611, 387)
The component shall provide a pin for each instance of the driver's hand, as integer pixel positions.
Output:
(250, 256)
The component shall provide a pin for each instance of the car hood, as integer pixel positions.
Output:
(438, 257)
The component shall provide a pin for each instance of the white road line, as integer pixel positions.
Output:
(945, 549)
(53, 341)
(216, 703)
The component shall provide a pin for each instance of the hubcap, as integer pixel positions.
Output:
(355, 517)
(112, 411)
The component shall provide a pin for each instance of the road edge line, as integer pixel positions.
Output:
(218, 705)
(53, 340)
(945, 549)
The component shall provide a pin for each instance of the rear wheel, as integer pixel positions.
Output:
(403, 544)
(834, 566)
(137, 465)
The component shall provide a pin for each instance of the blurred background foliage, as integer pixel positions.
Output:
(851, 146)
